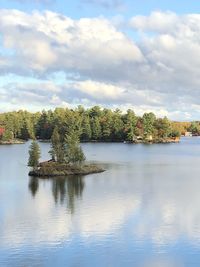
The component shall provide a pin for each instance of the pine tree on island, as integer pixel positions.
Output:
(73, 151)
(66, 150)
(34, 155)
(57, 147)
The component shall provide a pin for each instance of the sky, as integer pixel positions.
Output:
(138, 54)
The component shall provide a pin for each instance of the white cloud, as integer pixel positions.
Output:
(157, 21)
(48, 41)
(159, 72)
(99, 90)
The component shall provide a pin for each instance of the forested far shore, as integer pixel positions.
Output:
(93, 124)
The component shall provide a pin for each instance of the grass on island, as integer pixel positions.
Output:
(50, 169)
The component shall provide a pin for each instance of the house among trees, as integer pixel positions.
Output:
(188, 134)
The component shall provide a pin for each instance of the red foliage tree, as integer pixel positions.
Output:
(2, 130)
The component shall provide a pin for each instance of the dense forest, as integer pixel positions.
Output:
(94, 124)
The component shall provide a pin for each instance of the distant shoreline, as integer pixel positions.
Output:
(13, 142)
(163, 141)
(156, 141)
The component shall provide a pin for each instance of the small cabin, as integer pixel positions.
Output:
(188, 134)
(149, 138)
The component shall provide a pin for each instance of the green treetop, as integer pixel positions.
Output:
(86, 128)
(73, 150)
(194, 128)
(34, 155)
(57, 146)
(67, 149)
(130, 121)
(96, 128)
(148, 124)
(163, 127)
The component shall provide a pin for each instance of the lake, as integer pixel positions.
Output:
(144, 211)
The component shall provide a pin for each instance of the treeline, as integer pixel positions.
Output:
(194, 128)
(93, 124)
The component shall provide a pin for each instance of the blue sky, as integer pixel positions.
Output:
(78, 9)
(142, 55)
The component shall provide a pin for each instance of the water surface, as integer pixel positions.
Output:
(143, 211)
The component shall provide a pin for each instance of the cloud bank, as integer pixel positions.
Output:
(157, 71)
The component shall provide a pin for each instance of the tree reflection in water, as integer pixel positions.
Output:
(33, 185)
(64, 190)
(67, 190)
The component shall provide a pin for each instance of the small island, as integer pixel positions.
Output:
(67, 157)
(55, 169)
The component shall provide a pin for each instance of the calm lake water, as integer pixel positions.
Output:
(144, 211)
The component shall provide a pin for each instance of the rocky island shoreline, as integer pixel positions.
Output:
(55, 169)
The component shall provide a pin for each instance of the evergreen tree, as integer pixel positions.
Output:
(194, 128)
(86, 129)
(174, 133)
(44, 129)
(148, 124)
(163, 127)
(73, 150)
(117, 126)
(96, 128)
(27, 130)
(34, 155)
(130, 121)
(106, 124)
(95, 112)
(57, 146)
